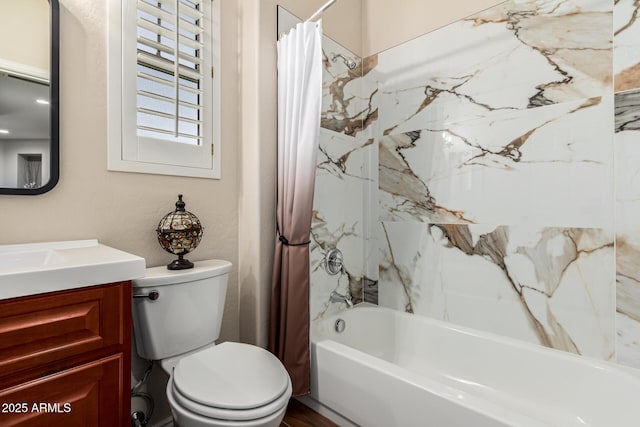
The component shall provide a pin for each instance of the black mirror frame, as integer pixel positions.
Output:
(54, 104)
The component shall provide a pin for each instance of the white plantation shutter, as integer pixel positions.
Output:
(170, 105)
(170, 92)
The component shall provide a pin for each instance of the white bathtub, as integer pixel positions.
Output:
(394, 369)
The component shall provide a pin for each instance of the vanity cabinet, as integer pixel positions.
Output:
(65, 358)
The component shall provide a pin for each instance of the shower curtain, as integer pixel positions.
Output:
(299, 105)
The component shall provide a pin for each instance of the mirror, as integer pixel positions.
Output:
(29, 117)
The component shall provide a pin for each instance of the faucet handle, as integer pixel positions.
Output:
(334, 261)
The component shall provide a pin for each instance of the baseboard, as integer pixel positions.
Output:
(326, 411)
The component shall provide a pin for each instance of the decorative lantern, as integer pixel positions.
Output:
(179, 232)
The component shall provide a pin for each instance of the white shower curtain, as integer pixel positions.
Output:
(299, 104)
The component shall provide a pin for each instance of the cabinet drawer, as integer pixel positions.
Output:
(38, 330)
(88, 395)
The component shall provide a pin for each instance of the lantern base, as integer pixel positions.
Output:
(180, 264)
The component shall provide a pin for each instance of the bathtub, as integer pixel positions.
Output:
(389, 368)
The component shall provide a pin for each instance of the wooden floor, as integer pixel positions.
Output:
(299, 415)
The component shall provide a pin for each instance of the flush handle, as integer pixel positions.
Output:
(153, 295)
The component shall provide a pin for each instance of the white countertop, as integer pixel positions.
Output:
(35, 268)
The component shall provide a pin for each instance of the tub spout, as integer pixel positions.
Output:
(336, 297)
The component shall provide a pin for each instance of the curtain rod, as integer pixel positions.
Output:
(320, 11)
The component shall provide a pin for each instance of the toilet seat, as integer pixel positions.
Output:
(211, 412)
(186, 417)
(231, 381)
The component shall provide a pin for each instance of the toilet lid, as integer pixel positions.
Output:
(231, 376)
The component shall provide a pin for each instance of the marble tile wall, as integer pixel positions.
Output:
(485, 174)
(342, 180)
(548, 285)
(507, 184)
(338, 219)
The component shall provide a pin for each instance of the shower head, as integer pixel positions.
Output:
(351, 64)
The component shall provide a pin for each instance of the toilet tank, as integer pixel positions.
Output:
(187, 313)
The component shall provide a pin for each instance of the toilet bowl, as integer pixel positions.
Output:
(252, 390)
(226, 385)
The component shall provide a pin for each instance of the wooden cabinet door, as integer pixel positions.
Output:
(87, 395)
(44, 332)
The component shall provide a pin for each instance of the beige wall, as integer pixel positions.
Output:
(123, 209)
(24, 32)
(342, 21)
(390, 23)
(258, 143)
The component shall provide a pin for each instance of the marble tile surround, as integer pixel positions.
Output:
(338, 219)
(507, 168)
(515, 56)
(485, 174)
(537, 284)
(502, 202)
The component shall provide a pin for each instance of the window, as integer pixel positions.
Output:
(164, 109)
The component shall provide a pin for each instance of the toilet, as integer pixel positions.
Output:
(177, 316)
